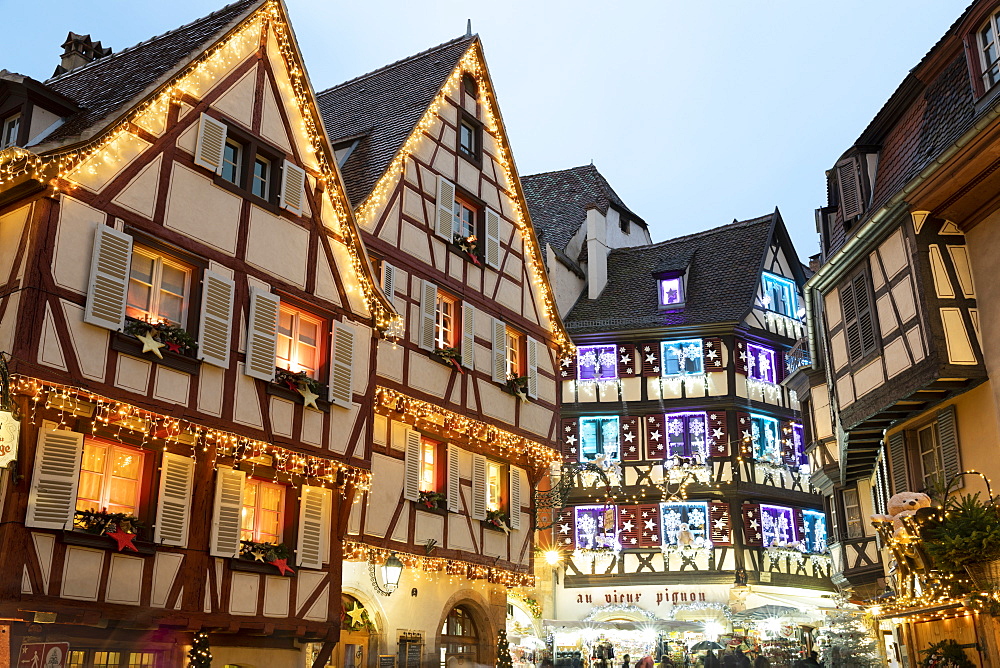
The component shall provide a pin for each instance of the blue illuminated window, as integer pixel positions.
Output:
(799, 444)
(766, 438)
(596, 362)
(779, 295)
(598, 437)
(815, 536)
(595, 527)
(686, 434)
(682, 358)
(685, 524)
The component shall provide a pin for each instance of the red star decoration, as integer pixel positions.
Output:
(282, 566)
(292, 385)
(124, 539)
(174, 347)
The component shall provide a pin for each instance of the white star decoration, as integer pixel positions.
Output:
(712, 355)
(565, 361)
(571, 439)
(651, 359)
(646, 349)
(717, 433)
(627, 526)
(754, 524)
(626, 359)
(629, 437)
(632, 449)
(746, 434)
(720, 524)
(563, 528)
(308, 396)
(655, 436)
(650, 525)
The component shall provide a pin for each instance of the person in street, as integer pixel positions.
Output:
(742, 660)
(625, 662)
(646, 662)
(761, 662)
(729, 660)
(812, 661)
(711, 661)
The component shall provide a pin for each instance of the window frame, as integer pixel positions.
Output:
(323, 325)
(752, 366)
(785, 511)
(495, 486)
(464, 202)
(854, 527)
(600, 352)
(701, 536)
(159, 259)
(447, 337)
(681, 291)
(107, 474)
(475, 155)
(687, 417)
(15, 122)
(992, 21)
(282, 508)
(754, 418)
(251, 148)
(681, 373)
(792, 306)
(515, 341)
(606, 539)
(90, 654)
(268, 179)
(926, 478)
(600, 445)
(810, 544)
(438, 466)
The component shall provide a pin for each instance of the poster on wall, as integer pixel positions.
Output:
(10, 432)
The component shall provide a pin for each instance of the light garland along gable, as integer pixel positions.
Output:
(159, 431)
(455, 569)
(471, 64)
(57, 168)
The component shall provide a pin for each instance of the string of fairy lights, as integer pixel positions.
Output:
(165, 432)
(455, 570)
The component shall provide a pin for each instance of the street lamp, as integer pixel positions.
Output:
(392, 570)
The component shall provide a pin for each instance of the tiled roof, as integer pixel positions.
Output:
(724, 269)
(110, 85)
(558, 202)
(382, 108)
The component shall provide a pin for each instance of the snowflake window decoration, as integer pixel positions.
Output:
(595, 528)
(815, 526)
(766, 443)
(686, 434)
(685, 525)
(597, 363)
(761, 363)
(683, 358)
(777, 526)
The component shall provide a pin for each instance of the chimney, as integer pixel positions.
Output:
(597, 251)
(78, 50)
(814, 262)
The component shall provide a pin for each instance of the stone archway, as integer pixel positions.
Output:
(484, 620)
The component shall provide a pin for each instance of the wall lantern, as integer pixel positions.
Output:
(392, 570)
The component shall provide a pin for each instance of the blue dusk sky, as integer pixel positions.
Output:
(696, 112)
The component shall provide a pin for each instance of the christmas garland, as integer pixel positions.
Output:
(431, 500)
(468, 246)
(451, 356)
(175, 338)
(100, 522)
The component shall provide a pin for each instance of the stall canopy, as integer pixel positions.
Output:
(767, 612)
(645, 625)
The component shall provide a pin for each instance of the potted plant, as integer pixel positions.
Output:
(966, 537)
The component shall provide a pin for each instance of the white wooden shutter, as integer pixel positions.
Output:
(388, 280)
(444, 225)
(227, 512)
(312, 549)
(454, 480)
(428, 314)
(109, 271)
(211, 144)
(262, 334)
(478, 487)
(216, 324)
(468, 335)
(514, 511)
(293, 187)
(52, 496)
(499, 351)
(173, 511)
(532, 368)
(342, 365)
(411, 466)
(493, 238)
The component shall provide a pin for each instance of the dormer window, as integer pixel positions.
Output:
(989, 55)
(11, 130)
(779, 295)
(671, 292)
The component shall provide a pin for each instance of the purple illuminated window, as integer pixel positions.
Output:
(799, 443)
(671, 291)
(595, 527)
(777, 525)
(686, 435)
(597, 363)
(760, 363)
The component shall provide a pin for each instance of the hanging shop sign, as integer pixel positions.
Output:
(10, 432)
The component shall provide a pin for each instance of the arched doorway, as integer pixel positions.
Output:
(357, 623)
(459, 639)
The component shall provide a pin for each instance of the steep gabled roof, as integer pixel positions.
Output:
(558, 203)
(111, 85)
(381, 109)
(724, 267)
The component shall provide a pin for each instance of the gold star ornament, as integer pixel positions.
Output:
(149, 344)
(355, 614)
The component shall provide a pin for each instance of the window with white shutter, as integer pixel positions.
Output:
(533, 347)
(468, 335)
(517, 492)
(342, 365)
(227, 512)
(444, 224)
(211, 144)
(388, 280)
(479, 487)
(428, 314)
(454, 480)
(313, 546)
(492, 238)
(54, 480)
(411, 466)
(262, 334)
(109, 275)
(293, 188)
(499, 351)
(174, 501)
(215, 325)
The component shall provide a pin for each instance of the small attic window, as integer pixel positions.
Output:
(989, 53)
(671, 291)
(469, 84)
(623, 223)
(11, 128)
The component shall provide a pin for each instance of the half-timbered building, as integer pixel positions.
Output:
(902, 323)
(687, 488)
(190, 320)
(466, 403)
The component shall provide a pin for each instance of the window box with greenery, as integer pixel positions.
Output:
(170, 343)
(434, 501)
(469, 245)
(105, 530)
(262, 557)
(517, 386)
(965, 537)
(497, 520)
(301, 385)
(450, 357)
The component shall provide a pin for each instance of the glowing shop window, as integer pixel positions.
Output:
(671, 291)
(777, 525)
(766, 439)
(682, 358)
(686, 434)
(779, 295)
(595, 527)
(685, 524)
(598, 437)
(761, 363)
(815, 526)
(596, 363)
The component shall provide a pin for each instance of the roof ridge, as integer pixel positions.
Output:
(399, 62)
(145, 42)
(703, 233)
(561, 171)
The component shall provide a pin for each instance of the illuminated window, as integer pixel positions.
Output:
(89, 658)
(465, 218)
(682, 358)
(799, 444)
(766, 438)
(494, 486)
(671, 291)
(761, 363)
(515, 340)
(779, 295)
(686, 434)
(110, 478)
(596, 362)
(232, 161)
(989, 55)
(11, 128)
(595, 527)
(685, 524)
(428, 465)
(777, 525)
(159, 288)
(263, 504)
(107, 659)
(598, 437)
(445, 325)
(298, 341)
(814, 523)
(261, 177)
